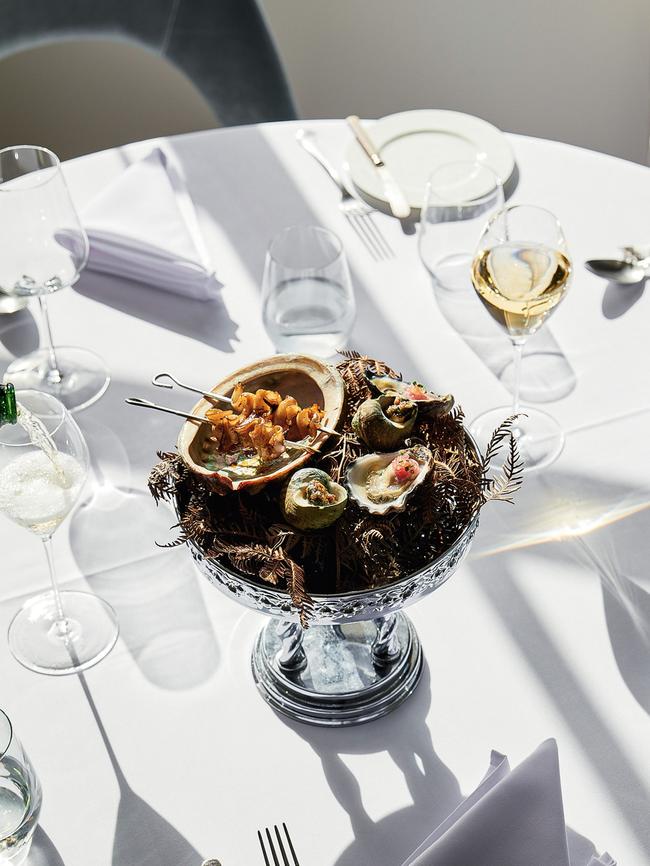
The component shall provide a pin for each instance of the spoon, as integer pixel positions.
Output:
(616, 271)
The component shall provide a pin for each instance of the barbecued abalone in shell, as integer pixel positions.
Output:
(309, 380)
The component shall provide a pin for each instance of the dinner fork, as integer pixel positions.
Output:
(357, 213)
(280, 846)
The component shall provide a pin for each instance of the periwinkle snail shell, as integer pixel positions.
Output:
(376, 429)
(301, 513)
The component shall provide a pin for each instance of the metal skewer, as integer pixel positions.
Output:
(138, 401)
(209, 394)
(147, 404)
(212, 396)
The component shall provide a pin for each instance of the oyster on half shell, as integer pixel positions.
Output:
(383, 482)
(312, 500)
(427, 402)
(384, 422)
(307, 379)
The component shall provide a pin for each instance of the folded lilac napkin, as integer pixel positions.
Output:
(514, 817)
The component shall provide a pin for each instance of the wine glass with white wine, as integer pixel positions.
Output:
(521, 272)
(43, 468)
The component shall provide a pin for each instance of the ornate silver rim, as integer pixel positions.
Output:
(343, 607)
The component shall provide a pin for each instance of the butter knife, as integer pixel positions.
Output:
(394, 195)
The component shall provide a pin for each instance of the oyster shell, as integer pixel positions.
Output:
(384, 422)
(311, 500)
(427, 402)
(307, 379)
(383, 482)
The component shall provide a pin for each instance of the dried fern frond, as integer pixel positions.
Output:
(298, 593)
(509, 479)
(496, 441)
(166, 475)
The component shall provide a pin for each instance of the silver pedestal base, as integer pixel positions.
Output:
(336, 675)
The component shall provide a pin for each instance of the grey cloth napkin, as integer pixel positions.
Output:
(514, 818)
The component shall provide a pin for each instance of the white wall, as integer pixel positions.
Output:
(576, 71)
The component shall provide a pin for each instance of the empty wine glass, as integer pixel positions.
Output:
(43, 468)
(307, 300)
(43, 249)
(458, 198)
(521, 272)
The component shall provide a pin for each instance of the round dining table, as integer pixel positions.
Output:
(164, 753)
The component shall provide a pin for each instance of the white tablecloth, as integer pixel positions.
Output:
(544, 632)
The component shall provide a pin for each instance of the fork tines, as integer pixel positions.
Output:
(266, 841)
(362, 222)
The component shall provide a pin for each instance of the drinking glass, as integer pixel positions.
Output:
(43, 468)
(20, 796)
(44, 249)
(307, 299)
(458, 198)
(521, 272)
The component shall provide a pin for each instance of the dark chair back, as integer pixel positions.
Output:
(223, 46)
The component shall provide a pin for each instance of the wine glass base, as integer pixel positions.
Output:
(540, 438)
(38, 643)
(338, 680)
(80, 379)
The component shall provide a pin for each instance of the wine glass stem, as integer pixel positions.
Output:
(518, 350)
(54, 374)
(61, 621)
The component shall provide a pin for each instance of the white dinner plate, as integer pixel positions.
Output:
(414, 143)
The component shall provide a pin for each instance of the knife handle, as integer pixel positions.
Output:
(364, 139)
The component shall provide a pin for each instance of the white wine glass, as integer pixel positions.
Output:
(44, 249)
(521, 272)
(43, 467)
(307, 298)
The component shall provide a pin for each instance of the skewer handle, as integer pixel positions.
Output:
(147, 404)
(209, 394)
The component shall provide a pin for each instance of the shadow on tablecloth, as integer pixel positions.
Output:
(113, 534)
(207, 321)
(142, 836)
(617, 300)
(155, 593)
(250, 196)
(43, 851)
(405, 737)
(546, 374)
(18, 333)
(605, 527)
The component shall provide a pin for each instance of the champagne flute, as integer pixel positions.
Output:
(521, 272)
(43, 468)
(43, 249)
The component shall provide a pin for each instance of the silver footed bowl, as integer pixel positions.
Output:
(360, 657)
(348, 606)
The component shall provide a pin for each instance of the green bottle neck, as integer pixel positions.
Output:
(8, 408)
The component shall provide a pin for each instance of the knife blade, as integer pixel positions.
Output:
(394, 195)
